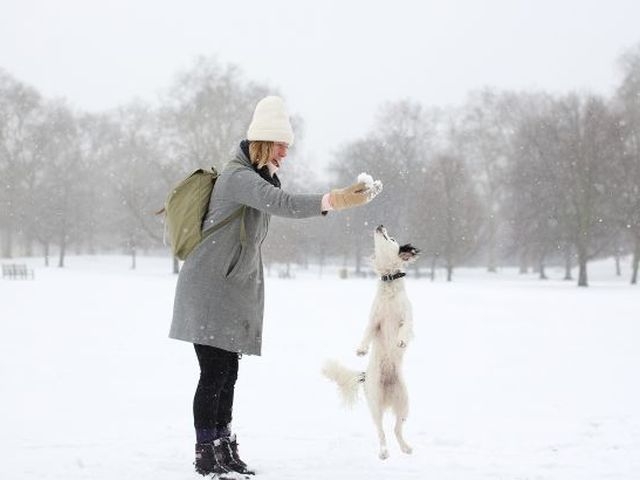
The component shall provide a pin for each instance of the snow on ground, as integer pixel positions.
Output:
(509, 378)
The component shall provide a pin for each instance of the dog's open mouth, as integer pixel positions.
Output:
(382, 231)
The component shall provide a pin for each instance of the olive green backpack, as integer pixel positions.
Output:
(185, 209)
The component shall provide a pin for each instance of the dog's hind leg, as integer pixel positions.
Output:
(375, 401)
(404, 446)
(401, 410)
(377, 420)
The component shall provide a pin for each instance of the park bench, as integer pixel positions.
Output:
(16, 272)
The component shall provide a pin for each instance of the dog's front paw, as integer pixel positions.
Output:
(362, 351)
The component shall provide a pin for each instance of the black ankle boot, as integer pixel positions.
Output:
(232, 460)
(210, 458)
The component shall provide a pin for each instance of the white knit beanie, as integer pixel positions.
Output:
(270, 122)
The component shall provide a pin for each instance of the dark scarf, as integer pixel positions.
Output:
(264, 171)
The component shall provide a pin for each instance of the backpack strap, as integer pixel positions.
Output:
(229, 219)
(232, 217)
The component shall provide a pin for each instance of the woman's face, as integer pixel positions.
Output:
(280, 150)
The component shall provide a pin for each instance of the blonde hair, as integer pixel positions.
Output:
(260, 152)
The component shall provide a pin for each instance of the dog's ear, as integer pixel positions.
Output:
(408, 252)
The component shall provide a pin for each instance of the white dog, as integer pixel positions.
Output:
(388, 332)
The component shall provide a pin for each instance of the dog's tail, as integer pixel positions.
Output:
(347, 380)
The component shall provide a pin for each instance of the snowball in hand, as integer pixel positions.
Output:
(366, 179)
(373, 188)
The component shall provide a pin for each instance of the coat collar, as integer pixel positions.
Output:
(243, 158)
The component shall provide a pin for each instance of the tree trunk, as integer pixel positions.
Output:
(433, 268)
(133, 258)
(449, 272)
(46, 254)
(543, 275)
(358, 259)
(28, 251)
(417, 271)
(492, 246)
(567, 263)
(63, 248)
(635, 262)
(7, 245)
(618, 270)
(582, 268)
(524, 267)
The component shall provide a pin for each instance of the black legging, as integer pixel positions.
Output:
(213, 401)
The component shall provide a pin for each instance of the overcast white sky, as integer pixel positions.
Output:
(335, 61)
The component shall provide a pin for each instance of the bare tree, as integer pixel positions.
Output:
(64, 175)
(131, 170)
(536, 204)
(571, 148)
(628, 98)
(19, 111)
(485, 139)
(404, 133)
(206, 113)
(589, 133)
(454, 210)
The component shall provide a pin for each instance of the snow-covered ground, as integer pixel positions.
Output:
(509, 378)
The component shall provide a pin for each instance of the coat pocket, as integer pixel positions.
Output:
(234, 263)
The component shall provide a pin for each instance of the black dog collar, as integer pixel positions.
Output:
(391, 278)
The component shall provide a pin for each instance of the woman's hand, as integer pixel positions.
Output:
(354, 195)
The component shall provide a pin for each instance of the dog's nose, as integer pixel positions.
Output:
(380, 228)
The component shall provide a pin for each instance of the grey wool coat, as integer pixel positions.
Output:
(219, 298)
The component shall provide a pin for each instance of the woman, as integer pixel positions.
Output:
(219, 295)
